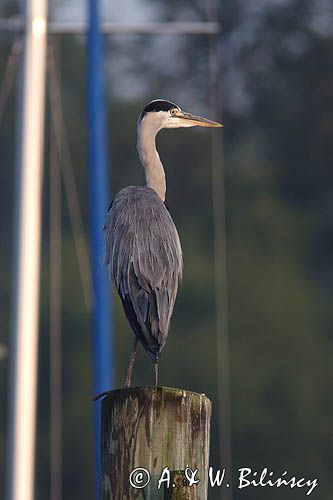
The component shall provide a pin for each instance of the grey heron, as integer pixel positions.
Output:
(142, 247)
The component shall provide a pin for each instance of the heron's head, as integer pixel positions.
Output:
(160, 114)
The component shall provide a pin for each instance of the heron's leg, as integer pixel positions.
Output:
(131, 363)
(156, 374)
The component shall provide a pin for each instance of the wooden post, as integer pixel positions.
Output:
(154, 428)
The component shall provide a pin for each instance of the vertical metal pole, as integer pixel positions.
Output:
(220, 259)
(27, 228)
(99, 201)
(55, 298)
(220, 271)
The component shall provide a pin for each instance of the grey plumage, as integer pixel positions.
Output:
(142, 247)
(144, 258)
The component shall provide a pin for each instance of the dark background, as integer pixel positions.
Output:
(276, 84)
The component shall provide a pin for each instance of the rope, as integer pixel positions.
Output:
(220, 263)
(61, 166)
(71, 191)
(9, 75)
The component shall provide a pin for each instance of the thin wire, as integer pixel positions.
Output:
(75, 213)
(55, 319)
(220, 262)
(9, 75)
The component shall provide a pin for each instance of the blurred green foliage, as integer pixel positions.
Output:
(276, 85)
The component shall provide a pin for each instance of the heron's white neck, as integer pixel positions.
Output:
(155, 175)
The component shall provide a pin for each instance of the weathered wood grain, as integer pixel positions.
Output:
(154, 428)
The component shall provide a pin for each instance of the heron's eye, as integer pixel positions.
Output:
(173, 111)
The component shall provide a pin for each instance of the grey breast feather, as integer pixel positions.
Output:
(144, 257)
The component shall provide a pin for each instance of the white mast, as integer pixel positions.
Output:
(27, 227)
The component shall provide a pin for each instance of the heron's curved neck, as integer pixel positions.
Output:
(155, 175)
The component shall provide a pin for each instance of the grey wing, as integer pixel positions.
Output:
(144, 256)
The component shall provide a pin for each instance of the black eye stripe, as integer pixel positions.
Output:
(158, 105)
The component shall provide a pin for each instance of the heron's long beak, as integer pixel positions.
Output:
(197, 120)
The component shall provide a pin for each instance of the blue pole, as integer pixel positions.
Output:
(103, 378)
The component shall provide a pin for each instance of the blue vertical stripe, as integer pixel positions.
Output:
(103, 366)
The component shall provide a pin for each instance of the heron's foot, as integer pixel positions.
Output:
(101, 395)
